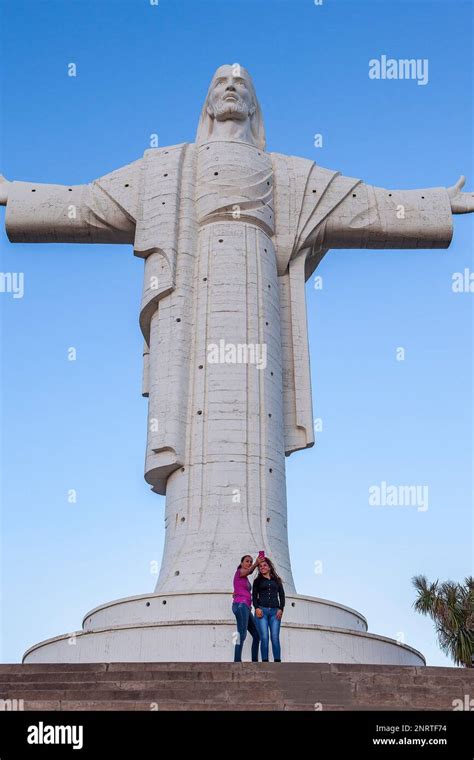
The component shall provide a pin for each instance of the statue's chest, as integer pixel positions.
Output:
(234, 181)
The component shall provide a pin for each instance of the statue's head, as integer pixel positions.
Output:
(231, 95)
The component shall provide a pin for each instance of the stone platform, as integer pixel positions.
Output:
(200, 627)
(232, 686)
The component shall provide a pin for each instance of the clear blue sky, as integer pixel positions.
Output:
(142, 70)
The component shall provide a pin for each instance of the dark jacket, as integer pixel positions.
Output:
(268, 593)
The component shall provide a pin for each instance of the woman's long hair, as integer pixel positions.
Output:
(273, 572)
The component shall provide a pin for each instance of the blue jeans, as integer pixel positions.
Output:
(245, 622)
(269, 620)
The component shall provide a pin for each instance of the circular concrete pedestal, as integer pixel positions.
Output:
(200, 627)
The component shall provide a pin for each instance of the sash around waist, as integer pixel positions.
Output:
(246, 221)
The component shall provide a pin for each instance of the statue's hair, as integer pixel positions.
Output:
(206, 122)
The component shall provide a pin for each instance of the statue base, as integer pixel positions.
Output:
(200, 627)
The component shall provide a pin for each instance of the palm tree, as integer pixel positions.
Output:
(451, 606)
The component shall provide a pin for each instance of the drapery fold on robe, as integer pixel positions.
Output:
(151, 203)
(302, 202)
(166, 236)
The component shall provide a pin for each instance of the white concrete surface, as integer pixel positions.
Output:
(166, 637)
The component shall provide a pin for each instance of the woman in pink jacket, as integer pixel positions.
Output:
(241, 607)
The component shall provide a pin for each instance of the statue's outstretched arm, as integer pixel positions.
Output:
(375, 217)
(103, 211)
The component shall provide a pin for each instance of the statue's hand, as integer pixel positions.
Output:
(461, 203)
(4, 184)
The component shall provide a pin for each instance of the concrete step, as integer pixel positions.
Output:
(181, 687)
(144, 706)
(139, 690)
(233, 686)
(232, 671)
(121, 675)
(189, 667)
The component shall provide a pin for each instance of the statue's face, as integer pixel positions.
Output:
(230, 97)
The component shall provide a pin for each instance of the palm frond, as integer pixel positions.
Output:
(451, 607)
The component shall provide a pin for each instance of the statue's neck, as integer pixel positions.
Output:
(232, 129)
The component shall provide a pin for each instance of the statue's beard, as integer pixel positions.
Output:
(230, 109)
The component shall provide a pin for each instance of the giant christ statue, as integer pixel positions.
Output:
(229, 234)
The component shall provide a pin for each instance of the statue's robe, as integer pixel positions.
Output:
(229, 235)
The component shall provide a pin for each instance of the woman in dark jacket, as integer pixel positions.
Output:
(269, 602)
